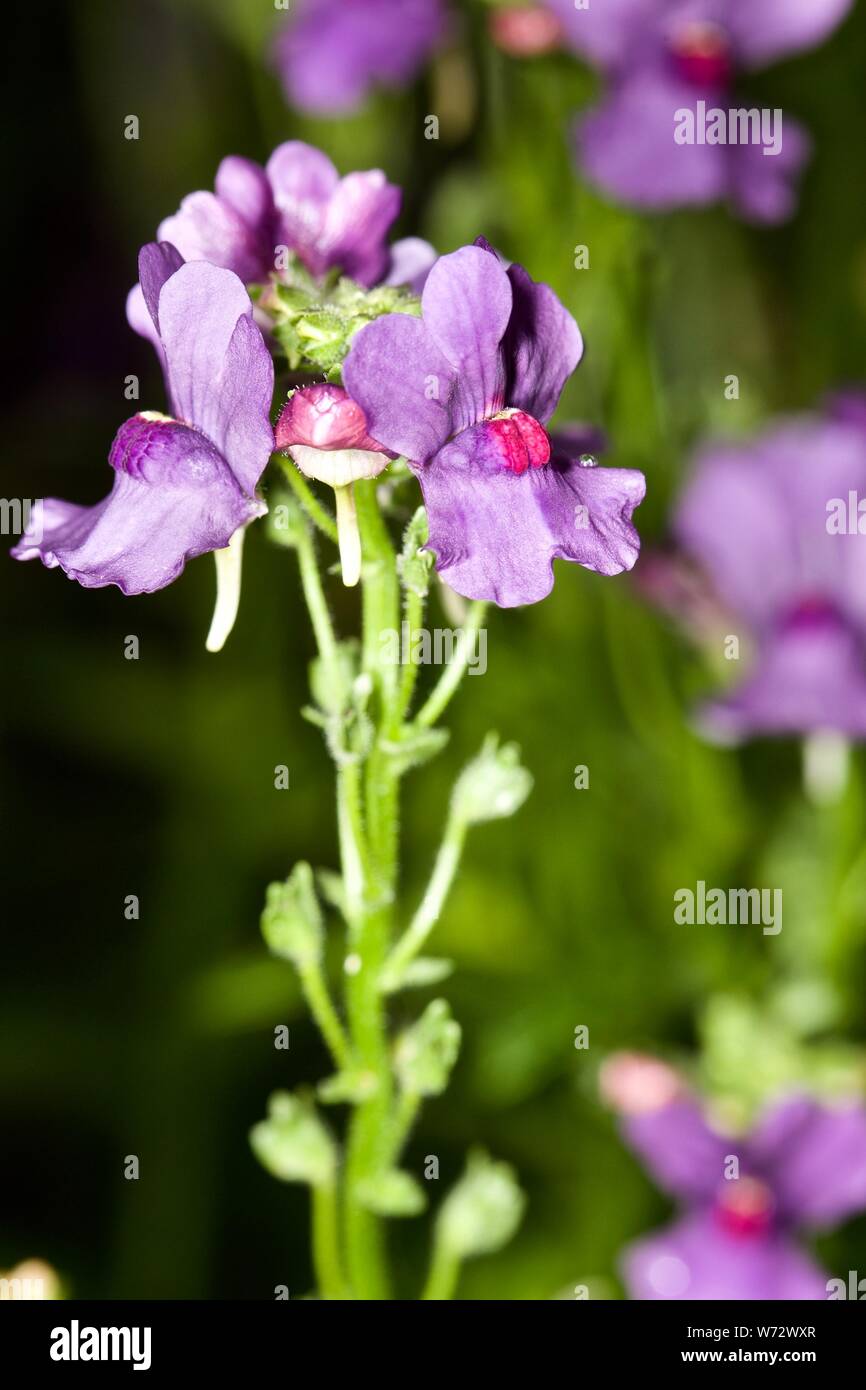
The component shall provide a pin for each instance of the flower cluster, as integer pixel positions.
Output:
(745, 1196)
(462, 383)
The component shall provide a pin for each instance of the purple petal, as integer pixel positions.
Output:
(764, 187)
(219, 370)
(684, 1155)
(173, 498)
(809, 676)
(542, 347)
(208, 228)
(695, 1259)
(609, 33)
(357, 221)
(626, 146)
(410, 262)
(815, 1156)
(496, 533)
(408, 410)
(467, 303)
(755, 518)
(766, 30)
(333, 51)
(303, 181)
(157, 262)
(139, 319)
(244, 185)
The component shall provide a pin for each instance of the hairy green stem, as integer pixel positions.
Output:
(323, 1011)
(327, 1261)
(313, 508)
(444, 1274)
(430, 908)
(455, 670)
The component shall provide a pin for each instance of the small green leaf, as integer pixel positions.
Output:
(415, 748)
(348, 1087)
(292, 920)
(426, 970)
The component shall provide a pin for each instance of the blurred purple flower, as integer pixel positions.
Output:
(803, 1167)
(661, 57)
(331, 53)
(464, 394)
(182, 485)
(760, 521)
(298, 201)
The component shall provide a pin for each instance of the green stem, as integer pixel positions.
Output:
(323, 1011)
(455, 670)
(413, 615)
(315, 596)
(405, 1113)
(444, 1274)
(430, 908)
(313, 508)
(326, 1242)
(370, 929)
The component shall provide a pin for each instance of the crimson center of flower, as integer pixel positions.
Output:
(744, 1207)
(519, 440)
(702, 54)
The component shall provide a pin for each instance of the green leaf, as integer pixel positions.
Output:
(348, 1087)
(426, 970)
(417, 747)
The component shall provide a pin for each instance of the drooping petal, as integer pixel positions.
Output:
(696, 1259)
(410, 263)
(404, 385)
(219, 369)
(685, 1156)
(815, 1156)
(496, 533)
(626, 146)
(764, 186)
(542, 347)
(466, 304)
(173, 498)
(767, 30)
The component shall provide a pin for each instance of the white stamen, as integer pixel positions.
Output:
(228, 591)
(348, 535)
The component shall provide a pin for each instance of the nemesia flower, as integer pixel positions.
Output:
(761, 522)
(331, 53)
(661, 57)
(184, 483)
(297, 201)
(325, 433)
(802, 1167)
(464, 393)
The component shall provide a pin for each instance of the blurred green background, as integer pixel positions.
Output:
(155, 777)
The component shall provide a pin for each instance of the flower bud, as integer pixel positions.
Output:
(292, 921)
(325, 432)
(425, 1054)
(293, 1143)
(482, 1212)
(492, 786)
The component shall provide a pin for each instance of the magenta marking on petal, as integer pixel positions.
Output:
(520, 441)
(745, 1207)
(702, 54)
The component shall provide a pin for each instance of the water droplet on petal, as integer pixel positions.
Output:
(588, 461)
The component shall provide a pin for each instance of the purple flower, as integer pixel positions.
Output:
(183, 484)
(332, 52)
(464, 393)
(664, 57)
(803, 1167)
(300, 203)
(770, 524)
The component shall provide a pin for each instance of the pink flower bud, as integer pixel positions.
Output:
(634, 1084)
(324, 417)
